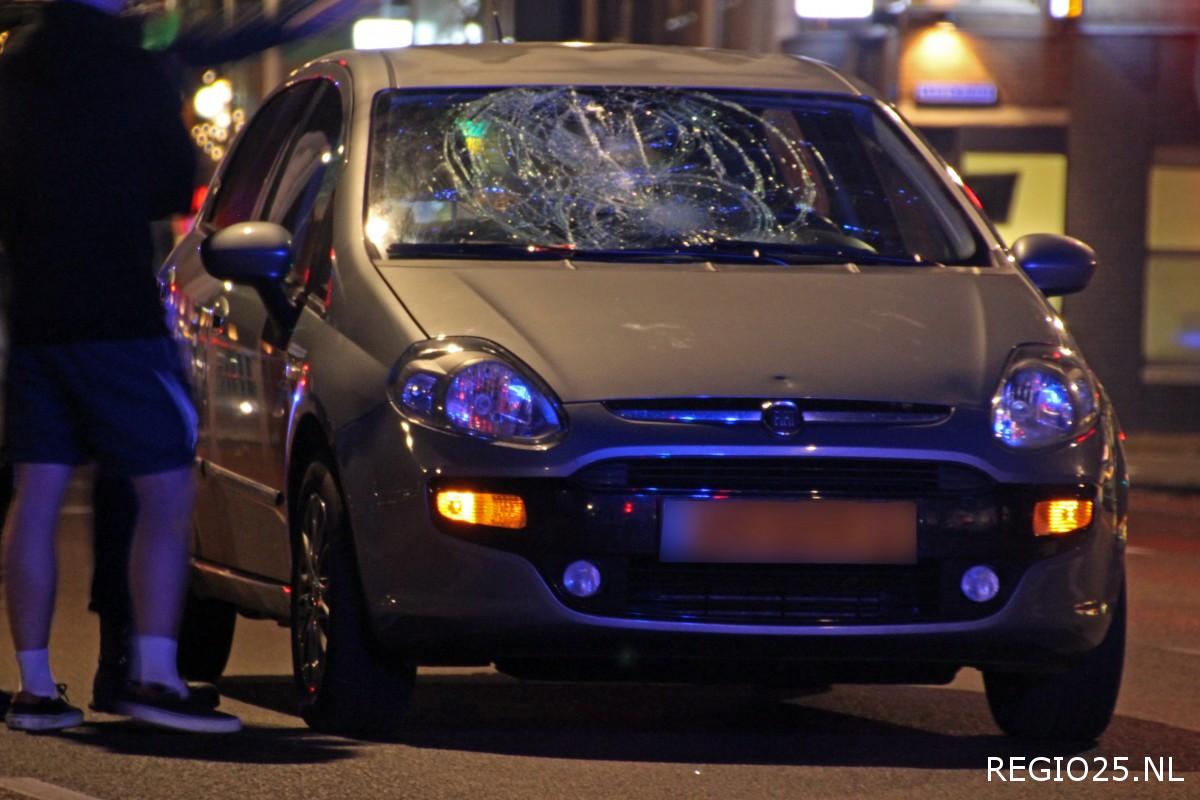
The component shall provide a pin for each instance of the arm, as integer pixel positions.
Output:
(212, 41)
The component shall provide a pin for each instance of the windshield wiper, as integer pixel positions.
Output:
(549, 252)
(787, 253)
(675, 254)
(503, 250)
(722, 250)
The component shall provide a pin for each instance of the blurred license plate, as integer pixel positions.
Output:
(788, 532)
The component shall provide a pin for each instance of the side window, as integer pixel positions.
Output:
(256, 153)
(301, 196)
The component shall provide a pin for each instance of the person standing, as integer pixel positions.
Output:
(91, 150)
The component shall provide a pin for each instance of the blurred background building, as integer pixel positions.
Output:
(1066, 116)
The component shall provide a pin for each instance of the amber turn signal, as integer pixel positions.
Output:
(1057, 517)
(482, 508)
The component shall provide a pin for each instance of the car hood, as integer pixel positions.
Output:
(632, 331)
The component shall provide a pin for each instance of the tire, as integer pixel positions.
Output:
(347, 684)
(205, 638)
(1074, 705)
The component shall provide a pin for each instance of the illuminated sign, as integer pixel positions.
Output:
(946, 93)
(834, 9)
(374, 33)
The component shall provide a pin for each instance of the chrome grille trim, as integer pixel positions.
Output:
(696, 416)
(739, 411)
(875, 417)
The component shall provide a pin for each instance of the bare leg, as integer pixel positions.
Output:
(30, 567)
(158, 564)
(158, 573)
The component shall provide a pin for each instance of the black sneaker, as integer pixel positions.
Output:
(160, 705)
(29, 712)
(109, 685)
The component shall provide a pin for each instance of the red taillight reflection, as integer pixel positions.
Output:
(974, 198)
(198, 198)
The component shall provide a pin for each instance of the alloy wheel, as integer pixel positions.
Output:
(311, 626)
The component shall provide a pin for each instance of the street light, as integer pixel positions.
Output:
(835, 9)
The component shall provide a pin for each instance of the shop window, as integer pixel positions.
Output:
(1171, 322)
(996, 193)
(1022, 192)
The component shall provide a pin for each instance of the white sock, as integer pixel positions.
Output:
(35, 673)
(154, 662)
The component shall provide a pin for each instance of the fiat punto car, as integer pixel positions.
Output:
(633, 363)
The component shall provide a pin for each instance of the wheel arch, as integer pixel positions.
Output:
(311, 440)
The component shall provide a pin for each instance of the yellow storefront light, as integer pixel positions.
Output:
(1058, 517)
(1066, 9)
(482, 508)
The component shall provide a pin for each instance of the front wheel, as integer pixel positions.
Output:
(1075, 705)
(347, 683)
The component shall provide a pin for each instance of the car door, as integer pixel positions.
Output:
(239, 517)
(254, 411)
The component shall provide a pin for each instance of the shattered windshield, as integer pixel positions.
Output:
(620, 170)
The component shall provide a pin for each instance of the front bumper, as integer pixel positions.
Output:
(444, 594)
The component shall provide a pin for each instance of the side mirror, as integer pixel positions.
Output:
(1057, 265)
(259, 255)
(248, 252)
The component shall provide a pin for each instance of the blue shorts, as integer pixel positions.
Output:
(125, 404)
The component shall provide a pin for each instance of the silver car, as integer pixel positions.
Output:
(635, 363)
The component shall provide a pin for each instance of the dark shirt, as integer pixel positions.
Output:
(92, 149)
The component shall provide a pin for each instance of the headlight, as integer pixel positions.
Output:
(475, 387)
(1046, 397)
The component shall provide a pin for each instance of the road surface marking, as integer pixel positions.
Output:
(1187, 651)
(40, 790)
(1139, 551)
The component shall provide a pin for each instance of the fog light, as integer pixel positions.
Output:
(581, 578)
(482, 508)
(980, 584)
(1056, 517)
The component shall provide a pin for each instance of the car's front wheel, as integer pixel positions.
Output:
(1076, 704)
(347, 683)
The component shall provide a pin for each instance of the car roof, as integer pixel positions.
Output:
(579, 63)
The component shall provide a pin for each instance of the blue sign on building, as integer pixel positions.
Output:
(945, 93)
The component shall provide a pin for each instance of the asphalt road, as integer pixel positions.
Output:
(477, 734)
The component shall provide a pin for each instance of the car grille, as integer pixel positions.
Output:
(789, 594)
(835, 595)
(827, 477)
(748, 411)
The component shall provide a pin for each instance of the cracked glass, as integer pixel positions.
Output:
(652, 170)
